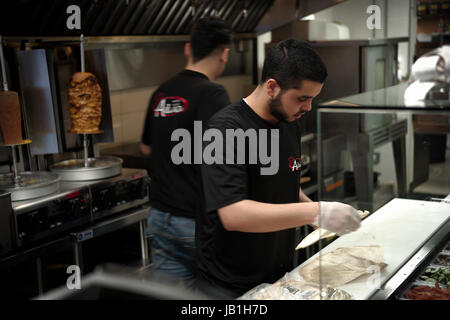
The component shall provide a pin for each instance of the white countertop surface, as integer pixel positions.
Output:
(400, 227)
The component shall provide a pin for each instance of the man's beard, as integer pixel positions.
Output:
(276, 108)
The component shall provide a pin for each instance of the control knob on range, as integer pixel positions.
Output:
(105, 199)
(74, 208)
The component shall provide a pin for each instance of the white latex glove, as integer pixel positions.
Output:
(337, 217)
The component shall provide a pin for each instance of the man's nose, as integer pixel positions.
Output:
(307, 106)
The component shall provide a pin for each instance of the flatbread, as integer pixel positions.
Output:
(295, 290)
(344, 265)
(313, 237)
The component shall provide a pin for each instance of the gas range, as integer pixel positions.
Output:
(78, 203)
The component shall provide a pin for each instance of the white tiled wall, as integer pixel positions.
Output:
(129, 107)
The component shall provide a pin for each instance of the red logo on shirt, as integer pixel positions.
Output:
(294, 164)
(169, 106)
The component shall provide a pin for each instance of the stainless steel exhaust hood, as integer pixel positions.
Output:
(285, 11)
(47, 18)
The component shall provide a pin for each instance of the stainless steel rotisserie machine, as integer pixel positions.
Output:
(54, 181)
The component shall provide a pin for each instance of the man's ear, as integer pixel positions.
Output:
(224, 55)
(187, 50)
(272, 88)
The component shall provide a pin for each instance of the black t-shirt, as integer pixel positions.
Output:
(238, 261)
(185, 98)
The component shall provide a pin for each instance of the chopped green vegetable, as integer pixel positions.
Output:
(441, 275)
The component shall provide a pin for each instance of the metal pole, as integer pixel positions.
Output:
(82, 52)
(16, 170)
(144, 244)
(78, 255)
(39, 276)
(319, 155)
(85, 141)
(2, 60)
(85, 147)
(411, 36)
(319, 189)
(320, 255)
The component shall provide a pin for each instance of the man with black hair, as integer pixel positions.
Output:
(175, 191)
(246, 235)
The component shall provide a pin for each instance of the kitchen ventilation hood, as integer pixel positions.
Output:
(105, 18)
(47, 18)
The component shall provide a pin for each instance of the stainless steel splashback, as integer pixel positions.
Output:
(96, 63)
(144, 66)
(141, 65)
(39, 106)
(44, 82)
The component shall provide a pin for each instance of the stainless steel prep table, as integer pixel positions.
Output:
(114, 223)
(402, 228)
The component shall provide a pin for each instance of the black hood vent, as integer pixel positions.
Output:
(36, 18)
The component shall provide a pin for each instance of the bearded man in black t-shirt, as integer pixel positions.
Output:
(246, 236)
(175, 190)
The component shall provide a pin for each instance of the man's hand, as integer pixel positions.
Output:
(145, 149)
(337, 217)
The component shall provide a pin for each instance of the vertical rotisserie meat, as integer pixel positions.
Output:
(10, 117)
(85, 103)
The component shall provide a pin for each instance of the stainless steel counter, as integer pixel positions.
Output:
(402, 227)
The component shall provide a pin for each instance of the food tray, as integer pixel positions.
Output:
(98, 168)
(447, 247)
(417, 283)
(25, 141)
(31, 184)
(434, 266)
(441, 254)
